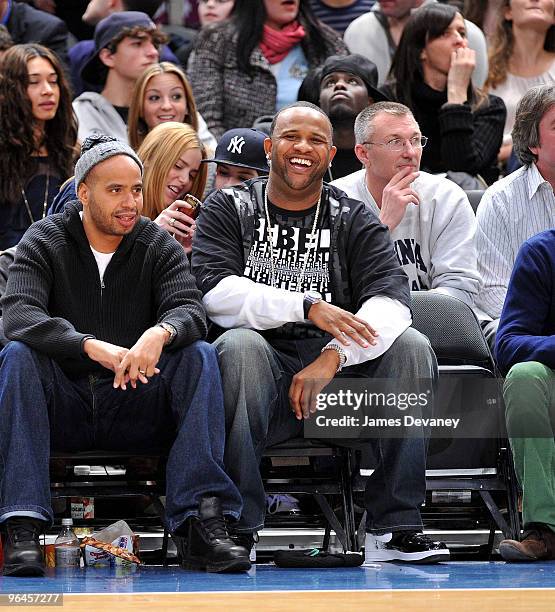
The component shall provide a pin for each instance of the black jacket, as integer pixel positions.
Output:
(54, 299)
(26, 25)
(362, 261)
(6, 260)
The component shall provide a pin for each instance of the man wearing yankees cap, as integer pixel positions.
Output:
(239, 157)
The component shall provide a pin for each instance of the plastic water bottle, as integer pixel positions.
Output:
(68, 551)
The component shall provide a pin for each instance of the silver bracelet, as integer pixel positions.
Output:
(340, 352)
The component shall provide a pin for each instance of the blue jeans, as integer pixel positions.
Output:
(182, 407)
(256, 377)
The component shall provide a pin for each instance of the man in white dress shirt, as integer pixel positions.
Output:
(520, 205)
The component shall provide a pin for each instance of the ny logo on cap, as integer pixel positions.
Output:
(236, 144)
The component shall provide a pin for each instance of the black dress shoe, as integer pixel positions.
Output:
(22, 551)
(208, 545)
(245, 539)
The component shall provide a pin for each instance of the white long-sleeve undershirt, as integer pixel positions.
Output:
(238, 302)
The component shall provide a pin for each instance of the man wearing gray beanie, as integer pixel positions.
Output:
(107, 352)
(98, 148)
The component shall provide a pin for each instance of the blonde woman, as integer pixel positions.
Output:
(522, 55)
(172, 154)
(161, 94)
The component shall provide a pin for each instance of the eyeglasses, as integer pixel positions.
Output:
(398, 144)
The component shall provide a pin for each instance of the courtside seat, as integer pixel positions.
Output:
(482, 466)
(474, 196)
(292, 467)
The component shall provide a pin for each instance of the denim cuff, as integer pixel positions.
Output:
(7, 512)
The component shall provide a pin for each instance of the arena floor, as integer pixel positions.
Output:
(449, 586)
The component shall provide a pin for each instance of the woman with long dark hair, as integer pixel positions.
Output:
(38, 133)
(253, 63)
(431, 74)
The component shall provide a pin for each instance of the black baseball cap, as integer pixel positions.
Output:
(243, 147)
(105, 31)
(358, 65)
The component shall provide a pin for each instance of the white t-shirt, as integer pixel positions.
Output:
(102, 261)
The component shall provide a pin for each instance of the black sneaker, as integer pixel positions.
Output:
(407, 546)
(22, 551)
(208, 545)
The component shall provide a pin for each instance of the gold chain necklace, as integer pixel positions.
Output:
(44, 204)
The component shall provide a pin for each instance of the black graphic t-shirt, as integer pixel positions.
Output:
(291, 240)
(291, 234)
(365, 254)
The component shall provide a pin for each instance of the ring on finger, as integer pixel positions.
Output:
(143, 372)
(172, 221)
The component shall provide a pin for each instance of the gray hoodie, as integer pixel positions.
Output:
(96, 114)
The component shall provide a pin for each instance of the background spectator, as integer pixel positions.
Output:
(209, 12)
(522, 55)
(28, 25)
(377, 33)
(84, 50)
(239, 157)
(5, 40)
(431, 75)
(70, 12)
(347, 86)
(484, 13)
(253, 63)
(98, 9)
(172, 155)
(213, 11)
(338, 14)
(38, 135)
(161, 94)
(126, 43)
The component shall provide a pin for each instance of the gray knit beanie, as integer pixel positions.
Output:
(98, 148)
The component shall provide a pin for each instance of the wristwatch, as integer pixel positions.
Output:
(340, 352)
(310, 298)
(171, 331)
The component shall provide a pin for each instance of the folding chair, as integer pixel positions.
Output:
(136, 475)
(291, 470)
(474, 196)
(480, 465)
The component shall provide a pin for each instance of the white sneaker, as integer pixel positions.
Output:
(410, 547)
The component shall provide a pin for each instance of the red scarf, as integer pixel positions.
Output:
(276, 44)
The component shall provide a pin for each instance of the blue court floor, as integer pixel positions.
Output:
(263, 578)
